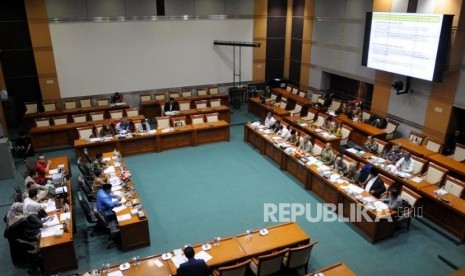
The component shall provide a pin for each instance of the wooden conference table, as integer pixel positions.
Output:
(332, 192)
(447, 211)
(230, 250)
(28, 119)
(158, 140)
(339, 269)
(300, 123)
(417, 150)
(260, 109)
(64, 135)
(153, 108)
(362, 130)
(134, 231)
(57, 253)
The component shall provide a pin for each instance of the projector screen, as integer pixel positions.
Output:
(408, 44)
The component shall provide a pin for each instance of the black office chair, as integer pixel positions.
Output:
(88, 211)
(85, 171)
(86, 189)
(87, 156)
(110, 226)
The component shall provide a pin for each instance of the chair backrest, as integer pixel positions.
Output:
(179, 119)
(49, 106)
(85, 132)
(283, 103)
(213, 90)
(459, 154)
(197, 119)
(433, 145)
(410, 196)
(132, 112)
(70, 104)
(299, 256)
(234, 270)
(271, 263)
(163, 122)
(97, 116)
(335, 105)
(347, 160)
(201, 104)
(215, 102)
(85, 102)
(295, 91)
(273, 97)
(302, 94)
(381, 145)
(145, 98)
(366, 115)
(318, 146)
(186, 94)
(202, 92)
(435, 173)
(31, 107)
(79, 118)
(103, 101)
(116, 114)
(418, 164)
(345, 131)
(311, 113)
(320, 100)
(454, 186)
(390, 129)
(174, 94)
(298, 108)
(184, 105)
(159, 96)
(388, 182)
(315, 97)
(88, 212)
(42, 122)
(60, 120)
(211, 117)
(416, 137)
(320, 120)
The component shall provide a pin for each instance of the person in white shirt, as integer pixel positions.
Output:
(284, 132)
(30, 205)
(306, 144)
(269, 120)
(404, 165)
(143, 126)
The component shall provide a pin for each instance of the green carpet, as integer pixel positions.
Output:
(194, 194)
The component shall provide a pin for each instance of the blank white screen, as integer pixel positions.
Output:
(98, 58)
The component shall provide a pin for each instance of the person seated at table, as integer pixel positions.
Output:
(23, 146)
(34, 186)
(106, 131)
(327, 125)
(306, 145)
(357, 113)
(451, 144)
(339, 165)
(276, 126)
(394, 154)
(123, 127)
(193, 266)
(15, 223)
(404, 165)
(393, 200)
(106, 201)
(42, 168)
(327, 155)
(352, 174)
(371, 145)
(144, 126)
(171, 106)
(293, 138)
(31, 205)
(269, 120)
(98, 163)
(374, 184)
(337, 130)
(117, 98)
(364, 174)
(100, 179)
(284, 132)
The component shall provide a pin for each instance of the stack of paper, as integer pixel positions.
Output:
(110, 169)
(119, 208)
(65, 216)
(124, 217)
(50, 231)
(203, 256)
(54, 221)
(441, 192)
(417, 179)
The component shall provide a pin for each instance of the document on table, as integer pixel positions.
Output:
(65, 216)
(203, 255)
(158, 263)
(54, 221)
(416, 179)
(178, 260)
(50, 206)
(119, 208)
(123, 217)
(110, 169)
(115, 273)
(50, 231)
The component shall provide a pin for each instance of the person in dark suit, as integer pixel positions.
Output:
(193, 267)
(375, 184)
(172, 105)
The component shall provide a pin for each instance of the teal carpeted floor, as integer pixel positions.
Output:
(194, 194)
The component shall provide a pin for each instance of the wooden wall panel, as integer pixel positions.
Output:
(306, 44)
(382, 5)
(49, 88)
(287, 47)
(44, 63)
(259, 34)
(40, 34)
(381, 93)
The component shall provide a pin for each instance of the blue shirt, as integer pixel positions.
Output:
(105, 202)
